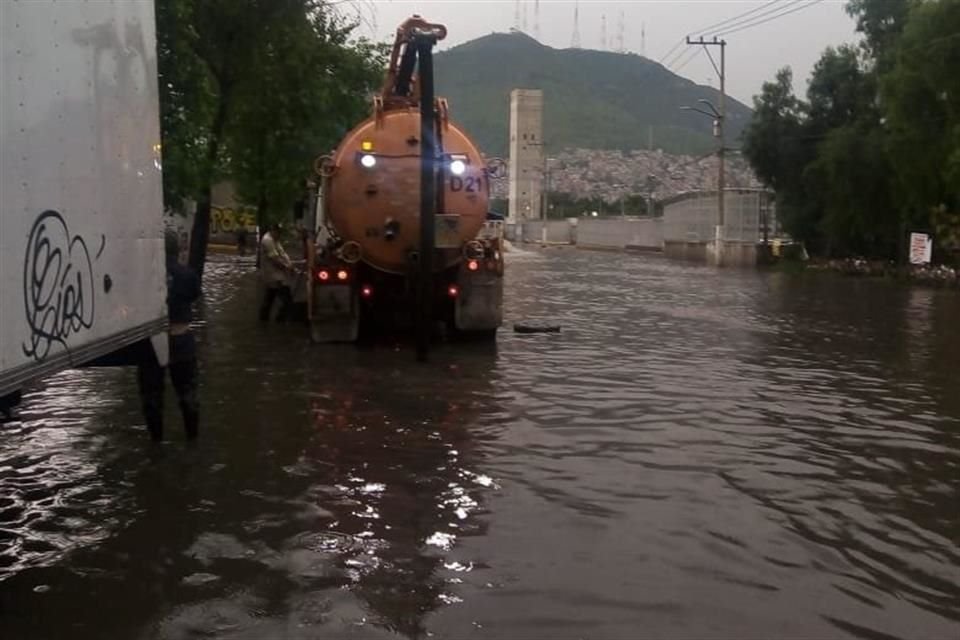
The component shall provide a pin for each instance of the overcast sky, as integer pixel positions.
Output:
(753, 54)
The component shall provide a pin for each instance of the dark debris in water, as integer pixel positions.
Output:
(529, 327)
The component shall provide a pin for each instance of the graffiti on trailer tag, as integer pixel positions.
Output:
(58, 288)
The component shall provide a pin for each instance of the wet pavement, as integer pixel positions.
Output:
(700, 453)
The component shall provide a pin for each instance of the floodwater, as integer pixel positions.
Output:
(699, 454)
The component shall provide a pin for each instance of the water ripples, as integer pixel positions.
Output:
(699, 453)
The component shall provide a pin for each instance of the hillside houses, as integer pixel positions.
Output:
(614, 175)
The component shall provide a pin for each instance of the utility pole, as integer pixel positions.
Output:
(719, 126)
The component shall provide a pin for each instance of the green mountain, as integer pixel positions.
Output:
(592, 99)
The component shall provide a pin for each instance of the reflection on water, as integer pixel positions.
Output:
(698, 454)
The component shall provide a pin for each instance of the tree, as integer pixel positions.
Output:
(840, 91)
(311, 86)
(876, 147)
(921, 97)
(881, 22)
(779, 146)
(226, 65)
(776, 122)
(852, 171)
(186, 104)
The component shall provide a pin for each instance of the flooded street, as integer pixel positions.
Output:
(700, 453)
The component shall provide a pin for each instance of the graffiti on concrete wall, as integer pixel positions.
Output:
(231, 220)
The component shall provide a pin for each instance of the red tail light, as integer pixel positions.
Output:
(453, 291)
(342, 275)
(473, 265)
(366, 291)
(323, 275)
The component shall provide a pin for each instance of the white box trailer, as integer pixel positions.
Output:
(82, 272)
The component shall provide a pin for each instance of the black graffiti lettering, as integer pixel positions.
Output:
(58, 290)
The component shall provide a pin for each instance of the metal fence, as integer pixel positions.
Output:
(693, 217)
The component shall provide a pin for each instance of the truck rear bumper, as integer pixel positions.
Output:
(335, 314)
(479, 305)
(14, 379)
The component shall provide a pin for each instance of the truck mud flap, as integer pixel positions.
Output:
(335, 314)
(479, 306)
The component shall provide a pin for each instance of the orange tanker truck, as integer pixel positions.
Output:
(404, 239)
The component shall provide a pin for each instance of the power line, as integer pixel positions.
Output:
(672, 49)
(772, 9)
(685, 57)
(765, 9)
(773, 17)
(696, 52)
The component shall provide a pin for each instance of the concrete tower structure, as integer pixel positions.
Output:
(526, 154)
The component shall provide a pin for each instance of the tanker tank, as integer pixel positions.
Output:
(366, 271)
(373, 196)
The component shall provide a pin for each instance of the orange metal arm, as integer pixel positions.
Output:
(400, 87)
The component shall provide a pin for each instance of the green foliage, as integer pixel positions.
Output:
(881, 22)
(779, 144)
(772, 141)
(309, 86)
(874, 151)
(253, 90)
(187, 102)
(921, 95)
(840, 91)
(854, 173)
(592, 99)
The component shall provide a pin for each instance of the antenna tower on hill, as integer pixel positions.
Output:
(575, 40)
(516, 15)
(621, 27)
(524, 16)
(536, 19)
(643, 39)
(603, 32)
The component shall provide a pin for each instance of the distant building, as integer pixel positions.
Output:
(526, 154)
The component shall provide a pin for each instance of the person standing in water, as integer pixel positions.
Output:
(275, 267)
(183, 289)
